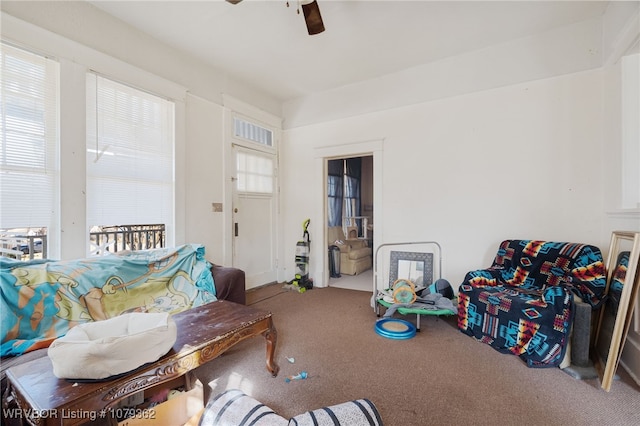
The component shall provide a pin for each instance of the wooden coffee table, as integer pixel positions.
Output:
(203, 334)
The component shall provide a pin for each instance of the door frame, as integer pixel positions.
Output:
(233, 107)
(322, 156)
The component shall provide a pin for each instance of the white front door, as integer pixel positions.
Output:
(254, 215)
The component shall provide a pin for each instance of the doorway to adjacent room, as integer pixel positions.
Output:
(370, 148)
(350, 189)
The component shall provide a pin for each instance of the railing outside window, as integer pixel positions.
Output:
(103, 239)
(113, 239)
(24, 247)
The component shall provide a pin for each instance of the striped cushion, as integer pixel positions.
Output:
(234, 408)
(360, 412)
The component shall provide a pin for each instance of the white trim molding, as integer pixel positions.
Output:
(241, 107)
(625, 40)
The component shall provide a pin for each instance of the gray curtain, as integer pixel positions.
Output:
(334, 192)
(343, 189)
(353, 173)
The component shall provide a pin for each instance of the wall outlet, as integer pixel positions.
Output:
(216, 207)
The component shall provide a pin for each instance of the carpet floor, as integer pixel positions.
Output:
(439, 377)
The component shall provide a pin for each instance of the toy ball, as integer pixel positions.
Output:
(404, 291)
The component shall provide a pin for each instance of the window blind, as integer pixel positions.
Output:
(254, 173)
(29, 143)
(130, 155)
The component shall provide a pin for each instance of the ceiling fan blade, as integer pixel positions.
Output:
(313, 18)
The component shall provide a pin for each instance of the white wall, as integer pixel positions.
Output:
(205, 176)
(452, 125)
(522, 161)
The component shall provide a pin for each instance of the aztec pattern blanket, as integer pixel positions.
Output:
(523, 303)
(617, 280)
(41, 300)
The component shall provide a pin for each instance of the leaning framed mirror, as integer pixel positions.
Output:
(617, 310)
(416, 267)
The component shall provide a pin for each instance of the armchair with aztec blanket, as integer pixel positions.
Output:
(524, 303)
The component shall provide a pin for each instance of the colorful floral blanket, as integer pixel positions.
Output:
(41, 300)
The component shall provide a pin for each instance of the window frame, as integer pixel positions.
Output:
(251, 144)
(44, 132)
(134, 96)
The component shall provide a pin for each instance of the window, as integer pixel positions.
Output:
(343, 191)
(254, 172)
(250, 131)
(335, 188)
(352, 176)
(130, 156)
(29, 144)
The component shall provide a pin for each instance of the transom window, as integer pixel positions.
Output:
(251, 131)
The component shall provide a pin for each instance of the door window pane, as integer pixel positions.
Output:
(254, 173)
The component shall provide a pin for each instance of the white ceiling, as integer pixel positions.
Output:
(266, 43)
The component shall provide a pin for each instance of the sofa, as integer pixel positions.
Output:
(57, 295)
(524, 303)
(355, 256)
